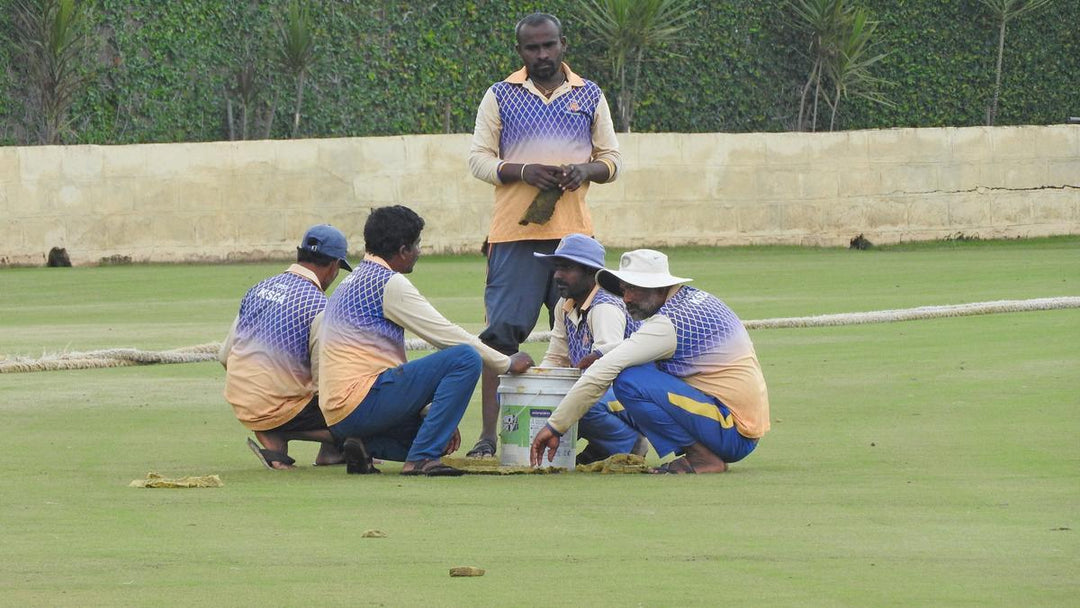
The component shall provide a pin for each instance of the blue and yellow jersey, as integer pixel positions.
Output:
(268, 354)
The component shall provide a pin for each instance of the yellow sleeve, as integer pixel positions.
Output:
(653, 341)
(605, 143)
(404, 305)
(484, 158)
(558, 354)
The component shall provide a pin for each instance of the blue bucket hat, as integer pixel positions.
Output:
(328, 241)
(579, 248)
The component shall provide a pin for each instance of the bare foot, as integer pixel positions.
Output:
(328, 455)
(702, 460)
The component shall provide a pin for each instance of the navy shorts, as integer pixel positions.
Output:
(518, 284)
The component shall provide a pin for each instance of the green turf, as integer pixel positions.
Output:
(919, 463)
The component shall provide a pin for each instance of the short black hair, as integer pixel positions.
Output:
(388, 228)
(534, 20)
(310, 257)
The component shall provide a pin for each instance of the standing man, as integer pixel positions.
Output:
(688, 378)
(542, 129)
(376, 401)
(271, 352)
(590, 321)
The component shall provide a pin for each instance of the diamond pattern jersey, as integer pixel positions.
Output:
(559, 131)
(355, 311)
(579, 339)
(277, 313)
(706, 330)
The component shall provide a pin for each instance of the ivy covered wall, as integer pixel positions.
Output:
(163, 71)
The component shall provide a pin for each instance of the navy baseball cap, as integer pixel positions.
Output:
(328, 241)
(579, 248)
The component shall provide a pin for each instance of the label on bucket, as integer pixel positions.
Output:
(526, 402)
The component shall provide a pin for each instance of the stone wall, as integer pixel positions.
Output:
(253, 200)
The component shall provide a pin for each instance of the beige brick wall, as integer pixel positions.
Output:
(250, 200)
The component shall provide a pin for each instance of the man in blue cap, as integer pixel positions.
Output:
(589, 321)
(271, 353)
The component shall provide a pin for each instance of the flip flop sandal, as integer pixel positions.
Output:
(671, 468)
(484, 448)
(268, 457)
(433, 468)
(357, 459)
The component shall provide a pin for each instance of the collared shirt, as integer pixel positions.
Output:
(362, 334)
(270, 355)
(605, 321)
(516, 123)
(693, 336)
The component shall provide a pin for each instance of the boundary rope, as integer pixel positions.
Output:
(123, 357)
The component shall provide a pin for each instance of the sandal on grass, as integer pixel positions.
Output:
(269, 457)
(484, 448)
(357, 459)
(679, 466)
(433, 468)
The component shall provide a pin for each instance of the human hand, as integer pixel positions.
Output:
(520, 362)
(544, 177)
(572, 176)
(455, 443)
(545, 439)
(588, 360)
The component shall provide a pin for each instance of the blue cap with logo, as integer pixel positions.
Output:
(329, 241)
(579, 248)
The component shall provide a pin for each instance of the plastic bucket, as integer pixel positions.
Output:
(526, 401)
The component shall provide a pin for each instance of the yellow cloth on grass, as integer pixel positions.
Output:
(153, 480)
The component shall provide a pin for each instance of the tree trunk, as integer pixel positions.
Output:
(299, 101)
(992, 117)
(801, 125)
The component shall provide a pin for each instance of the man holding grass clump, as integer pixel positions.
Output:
(688, 378)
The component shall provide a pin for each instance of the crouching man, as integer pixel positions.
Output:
(375, 400)
(688, 378)
(271, 353)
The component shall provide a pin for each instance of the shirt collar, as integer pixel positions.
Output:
(306, 273)
(370, 257)
(569, 305)
(520, 76)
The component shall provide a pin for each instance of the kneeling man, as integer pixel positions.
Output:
(688, 378)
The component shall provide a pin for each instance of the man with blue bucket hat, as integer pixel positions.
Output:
(589, 321)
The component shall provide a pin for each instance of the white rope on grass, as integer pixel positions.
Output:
(122, 357)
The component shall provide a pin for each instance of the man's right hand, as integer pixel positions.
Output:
(546, 440)
(520, 362)
(544, 177)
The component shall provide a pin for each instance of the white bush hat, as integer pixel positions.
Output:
(640, 268)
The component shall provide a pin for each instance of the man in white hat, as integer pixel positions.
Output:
(589, 321)
(688, 378)
(271, 353)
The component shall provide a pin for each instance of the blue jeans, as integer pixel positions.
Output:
(388, 419)
(605, 429)
(674, 415)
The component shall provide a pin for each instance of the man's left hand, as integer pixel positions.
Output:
(573, 176)
(455, 443)
(587, 360)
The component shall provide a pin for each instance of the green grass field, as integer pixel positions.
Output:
(924, 463)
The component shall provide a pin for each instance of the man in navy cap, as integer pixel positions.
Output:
(271, 353)
(590, 321)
